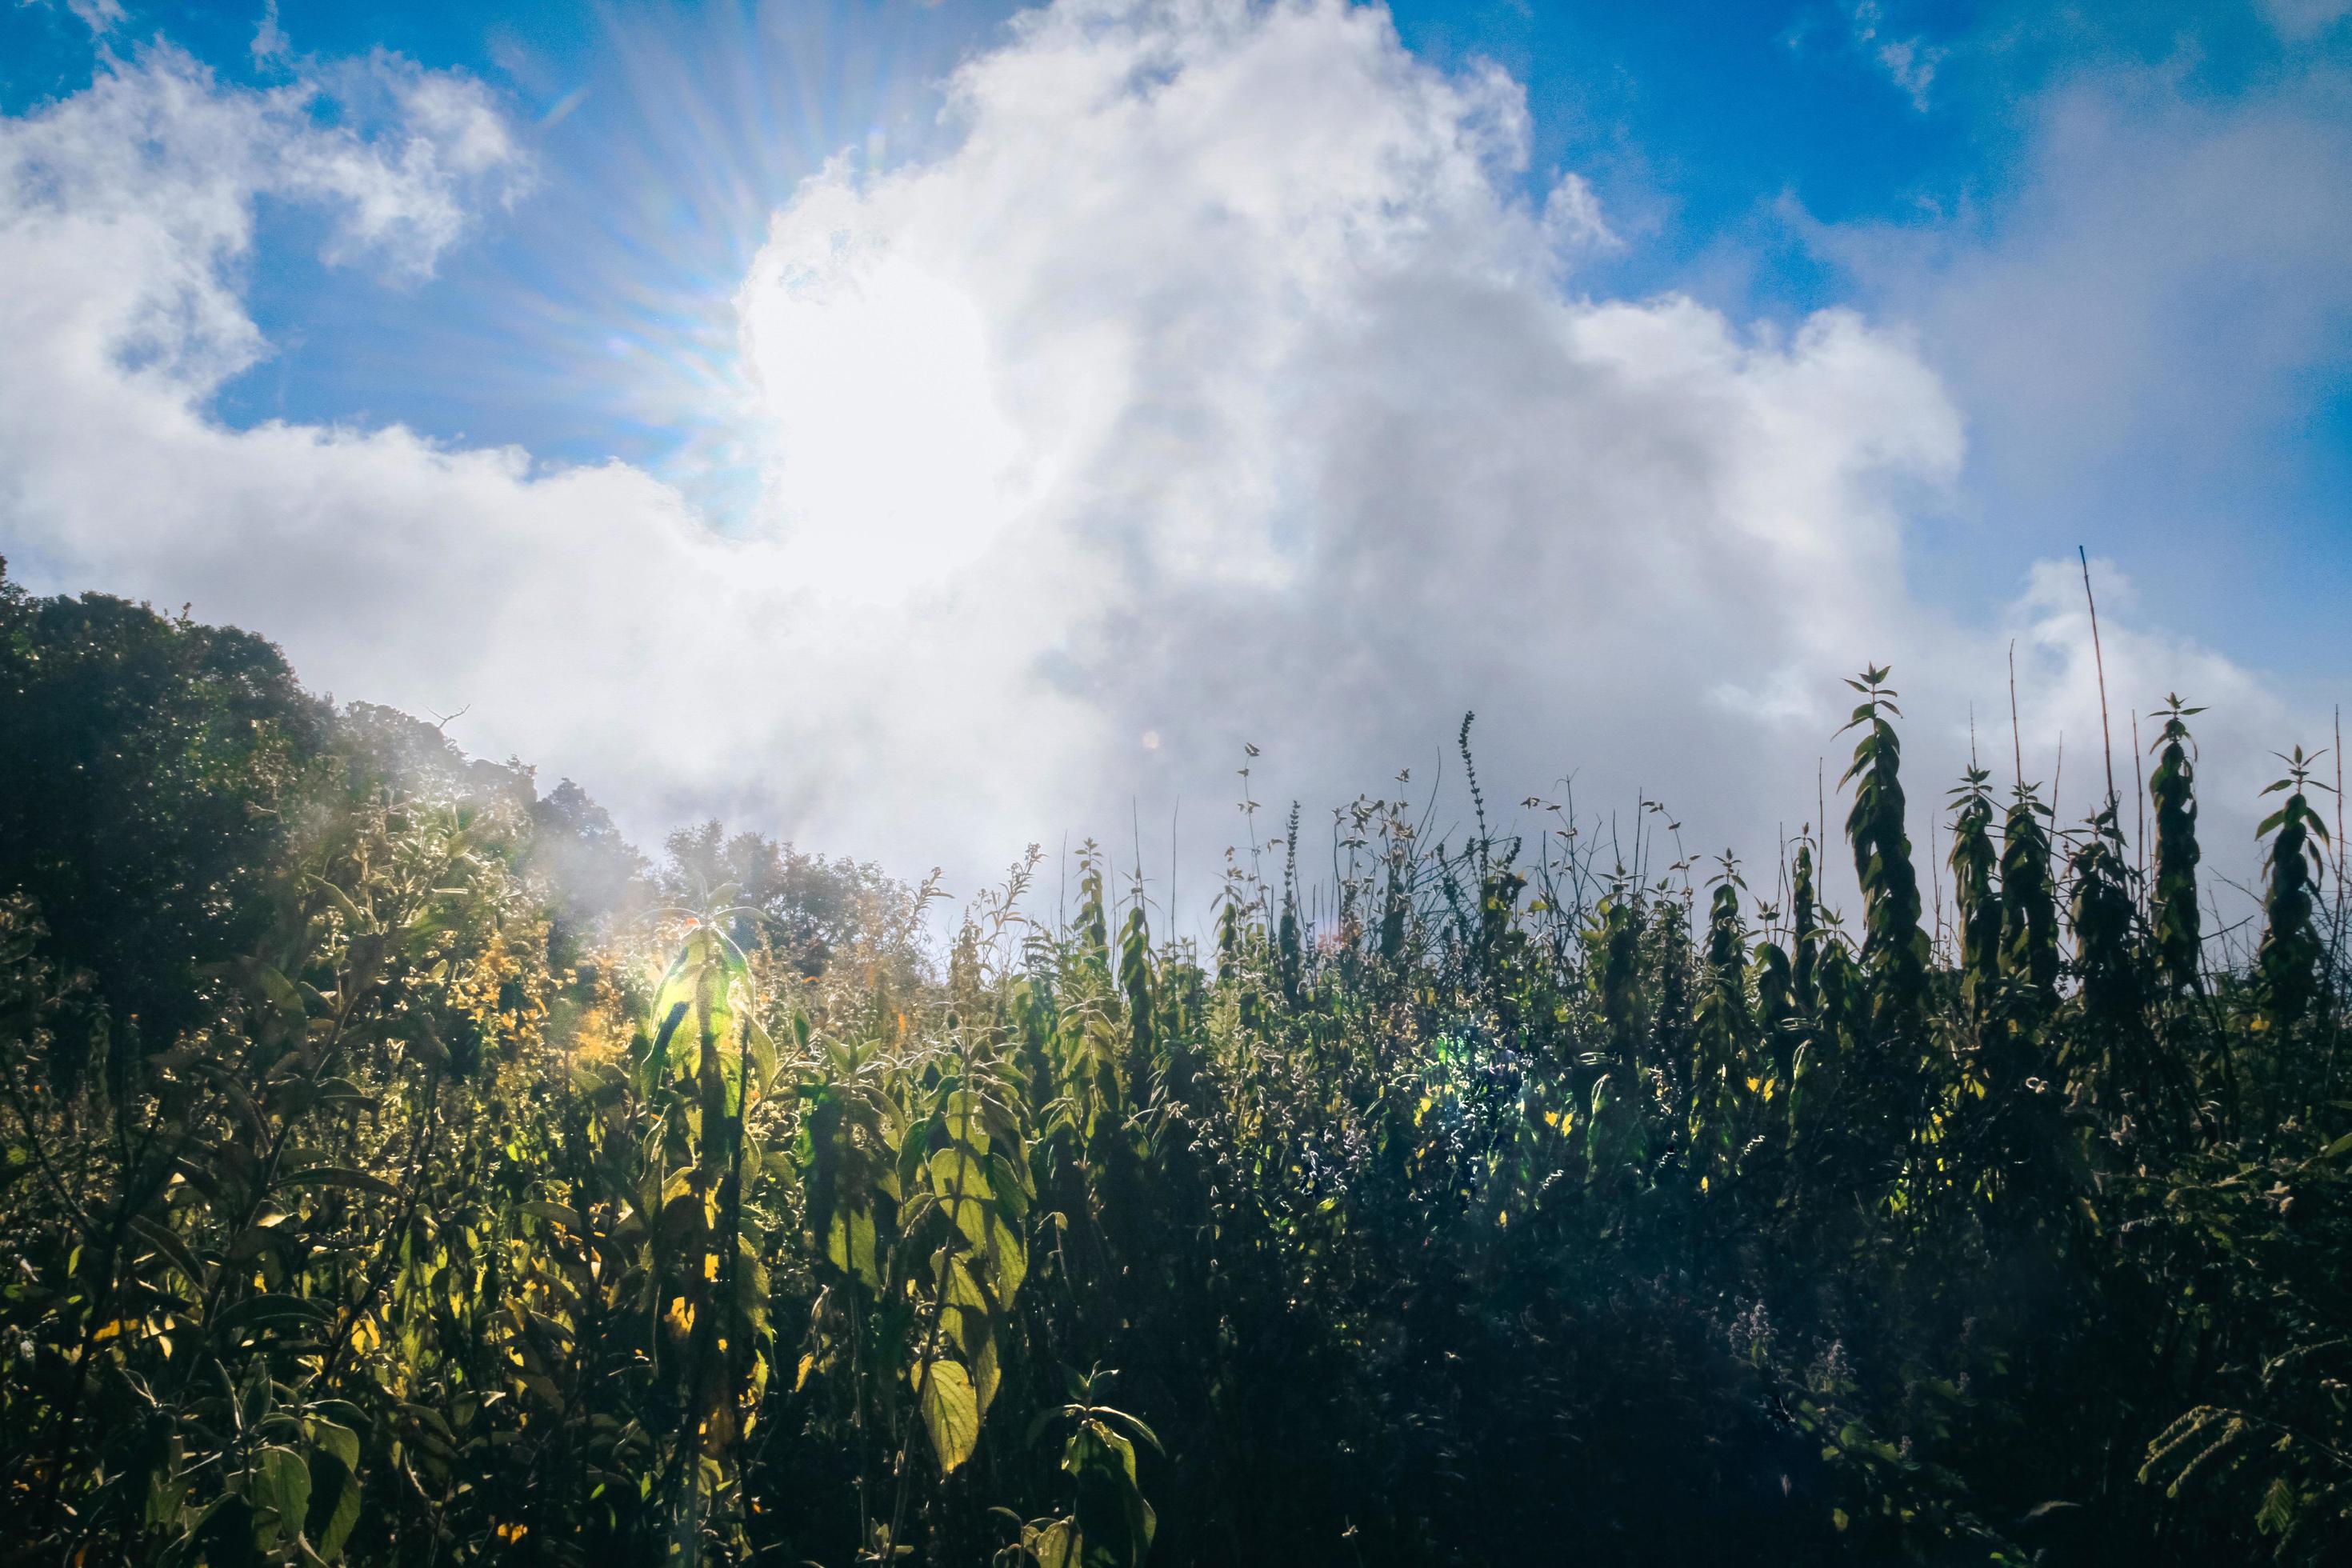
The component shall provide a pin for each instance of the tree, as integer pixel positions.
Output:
(155, 766)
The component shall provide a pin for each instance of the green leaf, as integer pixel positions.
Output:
(986, 1371)
(254, 1238)
(272, 1312)
(701, 996)
(959, 1178)
(341, 1176)
(849, 1243)
(1112, 1514)
(282, 1485)
(1135, 1425)
(2277, 1514)
(1014, 1194)
(1008, 1258)
(168, 1244)
(344, 905)
(950, 1413)
(277, 989)
(666, 1041)
(560, 1214)
(763, 1058)
(1055, 1546)
(970, 1325)
(334, 1437)
(334, 1488)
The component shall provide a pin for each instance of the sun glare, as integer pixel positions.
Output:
(893, 462)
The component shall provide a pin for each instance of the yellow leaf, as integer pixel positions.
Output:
(950, 1413)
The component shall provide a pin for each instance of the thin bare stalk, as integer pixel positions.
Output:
(2099, 660)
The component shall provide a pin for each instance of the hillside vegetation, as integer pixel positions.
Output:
(397, 1167)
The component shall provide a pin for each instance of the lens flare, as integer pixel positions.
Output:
(606, 324)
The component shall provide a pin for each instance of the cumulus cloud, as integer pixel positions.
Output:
(1219, 385)
(128, 207)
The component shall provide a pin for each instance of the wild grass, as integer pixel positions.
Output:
(1499, 1204)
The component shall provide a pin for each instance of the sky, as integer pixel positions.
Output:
(919, 430)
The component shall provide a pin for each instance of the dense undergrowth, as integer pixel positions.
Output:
(400, 1170)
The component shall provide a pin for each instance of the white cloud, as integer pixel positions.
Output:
(130, 207)
(1909, 63)
(2151, 234)
(1861, 26)
(100, 16)
(270, 42)
(1218, 386)
(2306, 19)
(2142, 329)
(1573, 221)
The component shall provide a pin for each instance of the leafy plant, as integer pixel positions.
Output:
(472, 1189)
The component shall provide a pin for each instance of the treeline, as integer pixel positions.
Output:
(400, 1169)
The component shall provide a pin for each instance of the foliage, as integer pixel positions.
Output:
(496, 1195)
(153, 765)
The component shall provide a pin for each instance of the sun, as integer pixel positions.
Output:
(892, 462)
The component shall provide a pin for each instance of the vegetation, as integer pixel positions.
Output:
(397, 1168)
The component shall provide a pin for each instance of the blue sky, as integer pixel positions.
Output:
(2109, 240)
(1702, 116)
(1717, 136)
